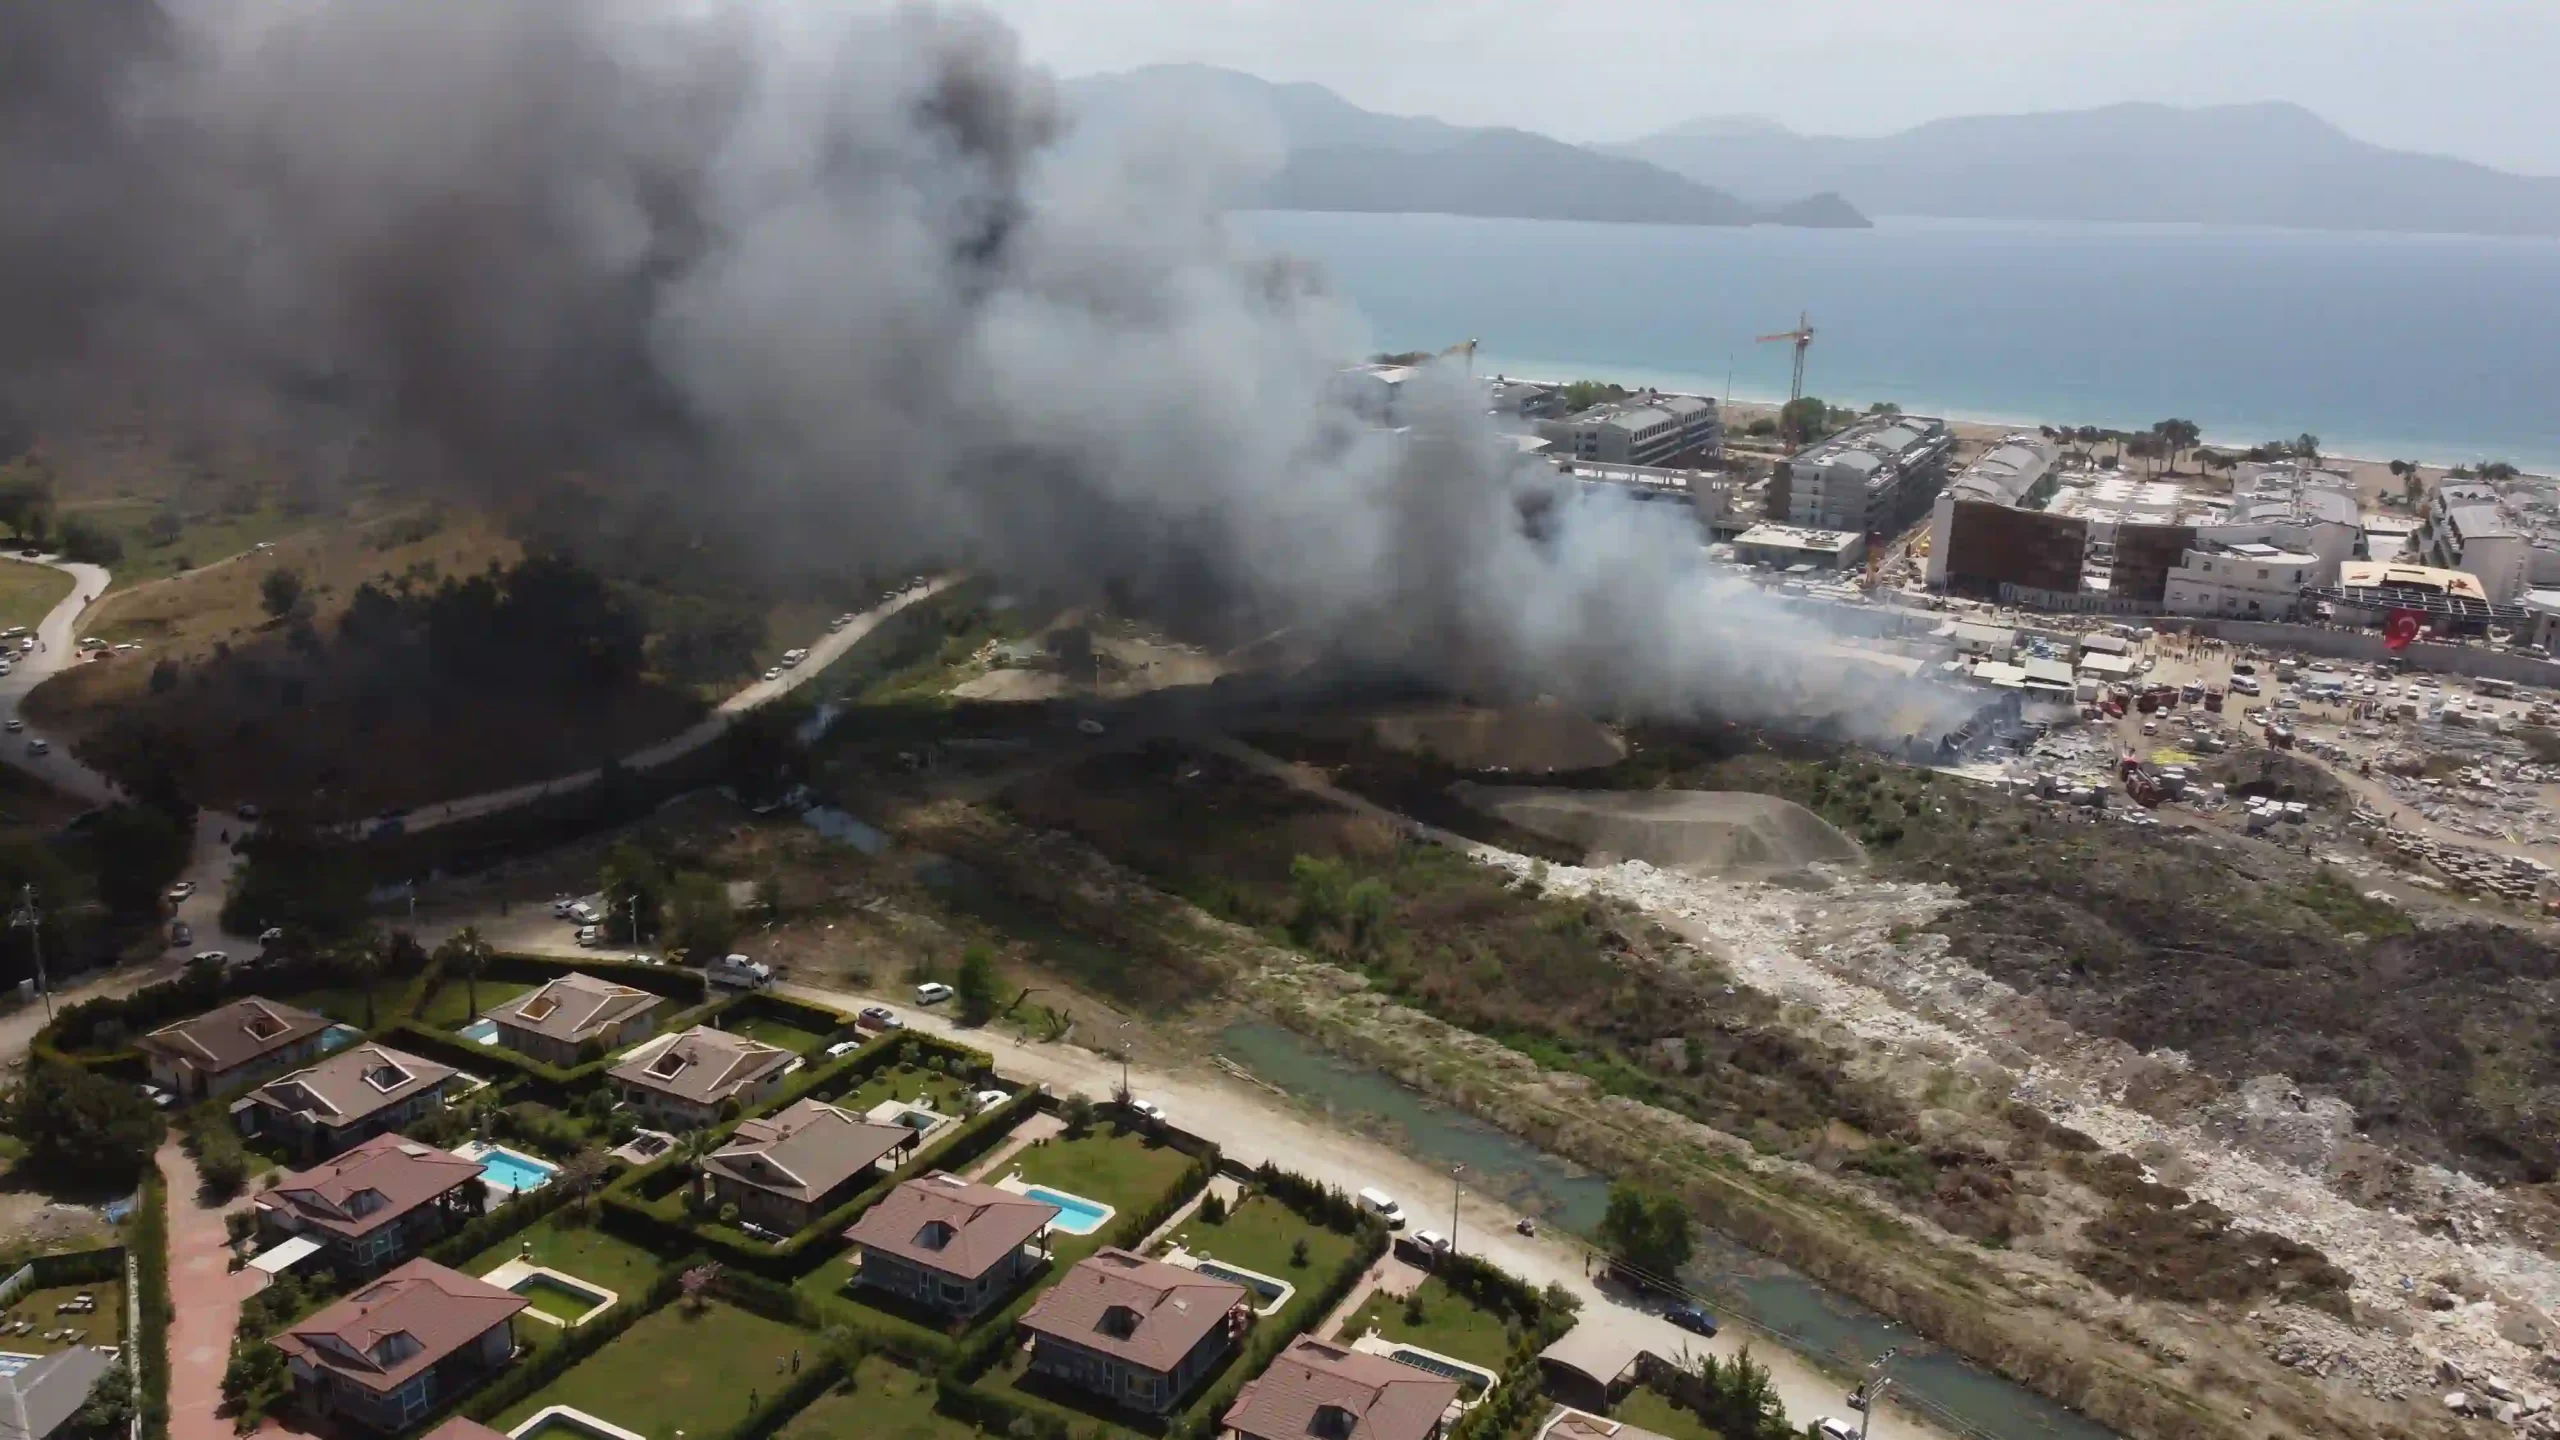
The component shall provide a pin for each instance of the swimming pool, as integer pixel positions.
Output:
(1469, 1379)
(1262, 1286)
(11, 1362)
(507, 1169)
(483, 1031)
(338, 1037)
(562, 1299)
(1076, 1214)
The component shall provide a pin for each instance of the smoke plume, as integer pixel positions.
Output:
(841, 278)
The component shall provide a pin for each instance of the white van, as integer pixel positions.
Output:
(739, 971)
(1383, 1205)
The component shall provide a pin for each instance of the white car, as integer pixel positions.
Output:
(986, 1100)
(27, 646)
(1832, 1427)
(15, 725)
(38, 747)
(589, 936)
(1090, 727)
(182, 890)
(1147, 1110)
(560, 908)
(210, 959)
(932, 992)
(773, 674)
(842, 1048)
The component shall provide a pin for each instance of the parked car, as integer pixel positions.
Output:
(986, 1100)
(38, 747)
(1431, 1243)
(880, 1017)
(1147, 1110)
(842, 1048)
(210, 959)
(775, 673)
(1692, 1318)
(590, 936)
(182, 890)
(739, 971)
(271, 935)
(15, 725)
(248, 811)
(932, 992)
(1383, 1205)
(180, 935)
(1832, 1427)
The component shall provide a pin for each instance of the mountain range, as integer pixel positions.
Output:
(2259, 164)
(1337, 156)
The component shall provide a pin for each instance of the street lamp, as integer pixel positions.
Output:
(1124, 1063)
(1455, 1173)
(1870, 1392)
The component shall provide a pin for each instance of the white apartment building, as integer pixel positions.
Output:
(2247, 581)
(2467, 529)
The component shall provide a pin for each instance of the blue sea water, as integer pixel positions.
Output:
(2435, 347)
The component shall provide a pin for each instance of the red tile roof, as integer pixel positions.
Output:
(1141, 1311)
(1317, 1391)
(946, 1224)
(575, 1008)
(351, 1084)
(233, 1035)
(703, 1065)
(400, 1173)
(805, 1151)
(399, 1325)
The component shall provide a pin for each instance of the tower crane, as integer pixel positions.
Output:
(1802, 335)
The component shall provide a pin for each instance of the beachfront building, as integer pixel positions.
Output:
(2467, 529)
(1651, 429)
(2022, 470)
(2247, 581)
(1874, 477)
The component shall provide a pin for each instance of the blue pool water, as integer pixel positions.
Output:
(512, 1171)
(1469, 1380)
(338, 1037)
(12, 1362)
(1076, 1214)
(1265, 1289)
(483, 1031)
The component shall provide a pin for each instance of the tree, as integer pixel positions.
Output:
(300, 880)
(977, 985)
(699, 915)
(85, 541)
(1583, 394)
(1801, 420)
(2176, 438)
(2498, 470)
(139, 852)
(464, 954)
(1646, 1230)
(697, 1283)
(634, 886)
(1076, 1113)
(84, 1128)
(281, 592)
(363, 961)
(2307, 446)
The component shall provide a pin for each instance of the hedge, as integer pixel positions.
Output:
(79, 1267)
(516, 1214)
(190, 993)
(149, 1241)
(676, 982)
(1201, 1416)
(802, 1014)
(805, 1387)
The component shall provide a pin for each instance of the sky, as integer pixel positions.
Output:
(2468, 78)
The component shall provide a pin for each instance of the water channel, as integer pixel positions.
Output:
(1733, 1279)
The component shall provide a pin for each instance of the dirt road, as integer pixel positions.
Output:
(1252, 1125)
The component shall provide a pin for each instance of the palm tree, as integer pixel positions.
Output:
(464, 953)
(362, 960)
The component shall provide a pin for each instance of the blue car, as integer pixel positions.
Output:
(1692, 1318)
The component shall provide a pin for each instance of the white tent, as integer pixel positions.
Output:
(285, 1254)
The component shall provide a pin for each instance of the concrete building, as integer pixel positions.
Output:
(783, 1171)
(950, 1245)
(1649, 430)
(2248, 581)
(1374, 392)
(352, 1096)
(43, 1393)
(559, 1020)
(1136, 1332)
(229, 1046)
(2019, 471)
(2388, 537)
(2543, 606)
(2368, 591)
(2467, 528)
(1506, 398)
(374, 1206)
(400, 1348)
(1784, 547)
(2297, 508)
(684, 1080)
(1875, 477)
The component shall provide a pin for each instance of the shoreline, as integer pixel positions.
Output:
(1741, 397)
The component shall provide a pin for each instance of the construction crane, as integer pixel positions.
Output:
(1467, 348)
(1802, 335)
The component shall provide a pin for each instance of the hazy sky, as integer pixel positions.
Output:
(2458, 77)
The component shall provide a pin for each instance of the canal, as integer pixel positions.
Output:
(1734, 1279)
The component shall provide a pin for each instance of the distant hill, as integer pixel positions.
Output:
(2263, 164)
(1338, 156)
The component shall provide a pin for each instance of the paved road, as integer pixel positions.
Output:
(1252, 1125)
(56, 634)
(823, 653)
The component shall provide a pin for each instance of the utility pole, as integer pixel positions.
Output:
(1871, 1390)
(1455, 1174)
(27, 918)
(1124, 1062)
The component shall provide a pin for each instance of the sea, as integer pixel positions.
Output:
(2442, 348)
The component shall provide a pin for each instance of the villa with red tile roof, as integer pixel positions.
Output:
(373, 1206)
(1135, 1331)
(950, 1245)
(390, 1354)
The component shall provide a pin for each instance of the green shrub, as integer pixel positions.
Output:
(148, 1238)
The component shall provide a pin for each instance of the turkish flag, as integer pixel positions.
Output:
(2400, 629)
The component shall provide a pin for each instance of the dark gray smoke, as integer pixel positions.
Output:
(840, 278)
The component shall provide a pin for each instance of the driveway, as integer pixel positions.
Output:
(206, 1295)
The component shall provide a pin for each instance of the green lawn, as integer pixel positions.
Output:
(345, 1003)
(775, 1032)
(1648, 1409)
(28, 592)
(1263, 1234)
(887, 1402)
(1120, 1169)
(202, 539)
(585, 1251)
(100, 1327)
(1449, 1325)
(941, 1092)
(450, 1007)
(677, 1369)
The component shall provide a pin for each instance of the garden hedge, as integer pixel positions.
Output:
(149, 1241)
(550, 1362)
